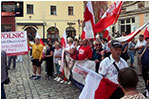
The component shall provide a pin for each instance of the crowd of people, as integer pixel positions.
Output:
(110, 58)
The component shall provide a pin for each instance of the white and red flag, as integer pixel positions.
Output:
(89, 21)
(96, 86)
(110, 17)
(64, 40)
(146, 32)
(130, 36)
(41, 41)
(107, 34)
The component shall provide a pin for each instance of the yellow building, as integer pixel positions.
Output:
(51, 18)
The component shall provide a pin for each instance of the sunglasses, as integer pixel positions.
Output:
(98, 44)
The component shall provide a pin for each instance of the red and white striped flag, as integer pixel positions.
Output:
(96, 86)
(130, 36)
(107, 34)
(64, 40)
(41, 41)
(110, 17)
(146, 32)
(89, 21)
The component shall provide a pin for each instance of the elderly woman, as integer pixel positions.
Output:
(70, 49)
(128, 80)
(57, 58)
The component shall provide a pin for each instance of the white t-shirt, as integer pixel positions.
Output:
(68, 47)
(57, 53)
(108, 70)
(139, 43)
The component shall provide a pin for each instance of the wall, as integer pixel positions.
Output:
(42, 14)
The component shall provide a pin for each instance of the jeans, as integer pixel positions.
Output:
(57, 68)
(131, 55)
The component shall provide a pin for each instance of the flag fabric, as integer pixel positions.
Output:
(110, 17)
(130, 36)
(64, 40)
(107, 34)
(89, 21)
(41, 41)
(146, 32)
(97, 87)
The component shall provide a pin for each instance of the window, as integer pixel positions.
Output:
(71, 32)
(53, 33)
(53, 10)
(141, 4)
(6, 27)
(133, 20)
(125, 25)
(29, 9)
(70, 10)
(122, 21)
(128, 20)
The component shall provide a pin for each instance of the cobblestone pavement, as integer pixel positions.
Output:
(21, 87)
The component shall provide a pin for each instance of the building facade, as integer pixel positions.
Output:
(133, 15)
(50, 19)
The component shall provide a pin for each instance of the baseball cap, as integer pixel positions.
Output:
(116, 44)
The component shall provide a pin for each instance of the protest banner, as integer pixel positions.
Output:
(73, 72)
(14, 43)
(79, 74)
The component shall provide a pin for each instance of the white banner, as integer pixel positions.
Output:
(14, 43)
(79, 74)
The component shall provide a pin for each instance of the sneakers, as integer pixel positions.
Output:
(56, 78)
(59, 79)
(37, 78)
(69, 83)
(62, 81)
(32, 77)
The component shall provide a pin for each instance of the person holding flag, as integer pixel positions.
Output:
(139, 45)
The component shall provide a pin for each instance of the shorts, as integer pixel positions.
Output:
(36, 62)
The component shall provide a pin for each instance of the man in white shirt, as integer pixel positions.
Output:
(139, 45)
(110, 66)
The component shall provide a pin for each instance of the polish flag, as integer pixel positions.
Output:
(97, 87)
(130, 36)
(89, 21)
(41, 41)
(110, 17)
(107, 34)
(64, 40)
(146, 33)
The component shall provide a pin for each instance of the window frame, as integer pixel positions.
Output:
(125, 24)
(72, 11)
(32, 8)
(51, 9)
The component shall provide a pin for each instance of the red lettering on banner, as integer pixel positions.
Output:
(77, 70)
(12, 35)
